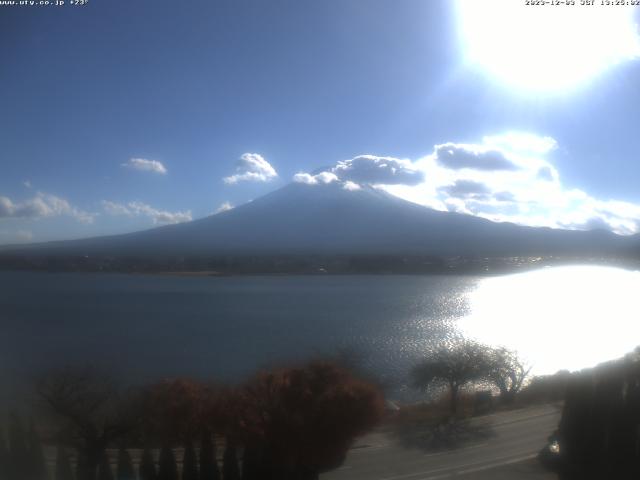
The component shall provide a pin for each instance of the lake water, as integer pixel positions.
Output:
(146, 327)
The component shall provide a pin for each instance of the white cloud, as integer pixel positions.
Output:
(139, 209)
(504, 197)
(370, 169)
(474, 157)
(365, 170)
(6, 207)
(251, 167)
(144, 165)
(302, 177)
(352, 187)
(224, 207)
(509, 178)
(113, 208)
(320, 178)
(43, 205)
(466, 189)
(27, 184)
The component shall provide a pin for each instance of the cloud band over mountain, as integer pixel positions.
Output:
(509, 177)
(251, 167)
(505, 177)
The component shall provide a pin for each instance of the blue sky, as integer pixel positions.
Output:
(120, 115)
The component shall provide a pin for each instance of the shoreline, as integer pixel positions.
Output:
(483, 267)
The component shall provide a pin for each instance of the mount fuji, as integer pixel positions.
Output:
(327, 219)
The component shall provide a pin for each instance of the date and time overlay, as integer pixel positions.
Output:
(559, 3)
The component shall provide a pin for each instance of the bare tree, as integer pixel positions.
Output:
(507, 371)
(92, 411)
(452, 366)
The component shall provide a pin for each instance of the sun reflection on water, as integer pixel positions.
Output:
(558, 318)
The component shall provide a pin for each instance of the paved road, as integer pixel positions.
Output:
(508, 454)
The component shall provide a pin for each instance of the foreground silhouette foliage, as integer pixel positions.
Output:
(4, 456)
(167, 467)
(104, 468)
(599, 431)
(290, 424)
(175, 411)
(19, 465)
(230, 469)
(189, 463)
(22, 456)
(147, 466)
(37, 460)
(125, 469)
(299, 422)
(208, 463)
(63, 465)
(91, 412)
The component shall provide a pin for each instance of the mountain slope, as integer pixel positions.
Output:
(327, 219)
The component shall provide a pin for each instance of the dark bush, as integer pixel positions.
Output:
(19, 464)
(208, 461)
(4, 457)
(104, 468)
(37, 460)
(189, 463)
(174, 411)
(300, 422)
(125, 469)
(167, 467)
(230, 469)
(600, 424)
(147, 467)
(63, 465)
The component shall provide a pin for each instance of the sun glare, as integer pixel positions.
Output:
(558, 318)
(546, 48)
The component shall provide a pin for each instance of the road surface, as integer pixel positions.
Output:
(509, 453)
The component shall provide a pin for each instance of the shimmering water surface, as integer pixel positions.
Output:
(145, 327)
(558, 318)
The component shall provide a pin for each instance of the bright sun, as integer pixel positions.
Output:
(546, 47)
